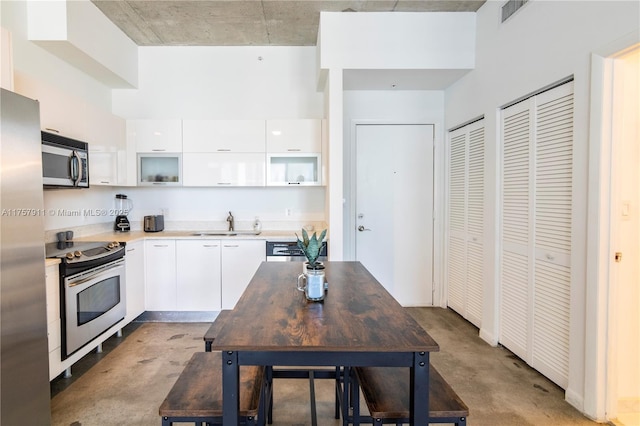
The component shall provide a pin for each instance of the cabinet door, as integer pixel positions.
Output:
(198, 275)
(303, 135)
(157, 135)
(294, 169)
(160, 275)
(226, 169)
(53, 320)
(223, 136)
(240, 260)
(106, 150)
(135, 284)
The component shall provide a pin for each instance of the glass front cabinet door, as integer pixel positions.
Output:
(160, 169)
(294, 169)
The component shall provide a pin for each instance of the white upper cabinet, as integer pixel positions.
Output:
(223, 169)
(301, 135)
(106, 150)
(223, 136)
(156, 135)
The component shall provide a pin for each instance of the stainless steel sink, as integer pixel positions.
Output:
(223, 233)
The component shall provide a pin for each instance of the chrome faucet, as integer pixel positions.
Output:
(230, 220)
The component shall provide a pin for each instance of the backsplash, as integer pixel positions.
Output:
(91, 211)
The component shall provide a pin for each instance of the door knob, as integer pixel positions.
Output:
(362, 228)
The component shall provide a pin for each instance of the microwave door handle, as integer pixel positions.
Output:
(75, 167)
(80, 170)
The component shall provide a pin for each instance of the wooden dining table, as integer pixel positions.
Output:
(357, 324)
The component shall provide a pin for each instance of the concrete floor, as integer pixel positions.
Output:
(126, 384)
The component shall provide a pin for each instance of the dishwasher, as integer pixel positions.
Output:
(288, 251)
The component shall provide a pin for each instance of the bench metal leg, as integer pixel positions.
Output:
(312, 397)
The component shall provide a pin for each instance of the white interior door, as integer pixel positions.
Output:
(394, 208)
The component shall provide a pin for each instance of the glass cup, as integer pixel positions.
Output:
(312, 283)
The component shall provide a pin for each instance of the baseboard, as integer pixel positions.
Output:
(177, 316)
(490, 338)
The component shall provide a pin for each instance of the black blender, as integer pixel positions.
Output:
(123, 207)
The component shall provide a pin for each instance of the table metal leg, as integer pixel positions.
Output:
(230, 388)
(420, 389)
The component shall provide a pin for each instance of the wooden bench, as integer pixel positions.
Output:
(197, 394)
(215, 328)
(386, 393)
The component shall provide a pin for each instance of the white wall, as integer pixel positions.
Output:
(223, 82)
(542, 43)
(36, 62)
(625, 290)
(397, 40)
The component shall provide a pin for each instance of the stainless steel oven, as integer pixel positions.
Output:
(93, 291)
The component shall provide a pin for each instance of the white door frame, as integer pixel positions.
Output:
(438, 200)
(599, 393)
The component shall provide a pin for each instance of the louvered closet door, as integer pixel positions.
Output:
(475, 222)
(516, 217)
(457, 265)
(554, 162)
(466, 221)
(537, 164)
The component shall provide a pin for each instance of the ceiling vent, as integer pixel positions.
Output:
(511, 7)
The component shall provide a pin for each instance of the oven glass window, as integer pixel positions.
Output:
(98, 299)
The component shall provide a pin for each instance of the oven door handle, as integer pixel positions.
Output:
(94, 276)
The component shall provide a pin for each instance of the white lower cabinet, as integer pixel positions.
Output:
(198, 275)
(52, 283)
(240, 260)
(160, 275)
(135, 284)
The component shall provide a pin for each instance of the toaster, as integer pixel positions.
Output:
(153, 223)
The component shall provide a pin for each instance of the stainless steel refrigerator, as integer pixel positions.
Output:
(24, 375)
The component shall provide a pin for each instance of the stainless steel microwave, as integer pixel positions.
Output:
(65, 162)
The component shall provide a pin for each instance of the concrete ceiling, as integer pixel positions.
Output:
(247, 22)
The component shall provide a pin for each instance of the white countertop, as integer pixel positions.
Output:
(133, 236)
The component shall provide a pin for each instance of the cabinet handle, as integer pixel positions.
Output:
(224, 183)
(161, 245)
(224, 150)
(104, 181)
(293, 149)
(231, 245)
(550, 257)
(159, 183)
(52, 130)
(157, 149)
(210, 245)
(130, 250)
(293, 183)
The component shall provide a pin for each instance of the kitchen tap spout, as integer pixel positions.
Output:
(230, 220)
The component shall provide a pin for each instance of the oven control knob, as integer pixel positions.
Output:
(69, 256)
(110, 246)
(77, 253)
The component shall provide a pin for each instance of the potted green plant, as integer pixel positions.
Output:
(311, 247)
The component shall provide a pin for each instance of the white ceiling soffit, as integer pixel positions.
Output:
(400, 79)
(247, 22)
